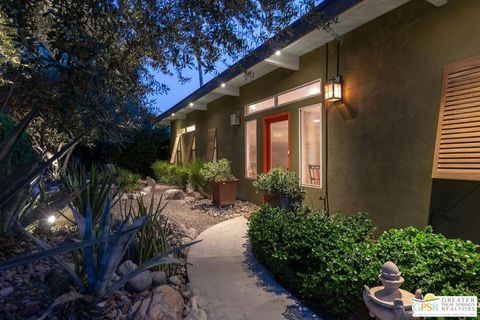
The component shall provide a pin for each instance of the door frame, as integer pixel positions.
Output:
(267, 121)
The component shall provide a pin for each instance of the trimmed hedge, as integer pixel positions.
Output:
(327, 260)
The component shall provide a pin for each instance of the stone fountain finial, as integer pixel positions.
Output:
(389, 302)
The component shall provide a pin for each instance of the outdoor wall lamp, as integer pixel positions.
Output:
(333, 89)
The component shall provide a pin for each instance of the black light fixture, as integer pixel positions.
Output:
(333, 89)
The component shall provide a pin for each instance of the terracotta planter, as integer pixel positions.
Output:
(223, 193)
(278, 201)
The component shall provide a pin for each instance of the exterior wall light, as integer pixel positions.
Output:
(333, 89)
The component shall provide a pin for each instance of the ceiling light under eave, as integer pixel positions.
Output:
(278, 52)
(222, 85)
(173, 114)
(191, 104)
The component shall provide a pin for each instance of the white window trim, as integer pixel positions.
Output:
(308, 185)
(245, 149)
(275, 98)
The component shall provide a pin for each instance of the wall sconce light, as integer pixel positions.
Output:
(235, 118)
(333, 89)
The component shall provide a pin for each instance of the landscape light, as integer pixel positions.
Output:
(278, 52)
(51, 219)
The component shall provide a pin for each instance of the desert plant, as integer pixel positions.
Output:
(96, 185)
(170, 174)
(219, 171)
(127, 180)
(280, 183)
(153, 238)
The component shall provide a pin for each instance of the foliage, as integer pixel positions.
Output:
(429, 261)
(127, 180)
(170, 174)
(142, 146)
(317, 256)
(22, 152)
(280, 183)
(9, 52)
(96, 186)
(219, 171)
(196, 181)
(152, 238)
(326, 260)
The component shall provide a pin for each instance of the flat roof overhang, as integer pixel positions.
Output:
(298, 39)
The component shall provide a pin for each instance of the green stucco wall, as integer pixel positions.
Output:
(380, 161)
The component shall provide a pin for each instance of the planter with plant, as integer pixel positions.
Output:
(222, 182)
(280, 189)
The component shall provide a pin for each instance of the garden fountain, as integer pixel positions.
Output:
(389, 302)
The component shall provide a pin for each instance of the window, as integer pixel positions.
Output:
(457, 151)
(302, 92)
(260, 106)
(310, 145)
(251, 149)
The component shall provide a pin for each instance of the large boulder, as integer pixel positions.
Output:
(167, 304)
(140, 282)
(174, 194)
(150, 182)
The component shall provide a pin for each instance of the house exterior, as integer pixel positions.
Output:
(378, 149)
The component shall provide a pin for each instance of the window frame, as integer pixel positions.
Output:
(256, 150)
(300, 173)
(275, 98)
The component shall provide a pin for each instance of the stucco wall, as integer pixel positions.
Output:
(380, 161)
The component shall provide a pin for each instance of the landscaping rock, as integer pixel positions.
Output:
(174, 280)
(198, 314)
(191, 233)
(174, 194)
(159, 278)
(126, 267)
(5, 292)
(140, 282)
(150, 182)
(167, 303)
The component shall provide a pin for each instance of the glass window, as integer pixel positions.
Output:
(260, 106)
(311, 144)
(279, 145)
(251, 149)
(304, 92)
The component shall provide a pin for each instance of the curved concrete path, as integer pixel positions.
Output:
(232, 284)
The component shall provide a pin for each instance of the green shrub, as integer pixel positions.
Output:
(320, 258)
(219, 171)
(326, 260)
(195, 179)
(170, 174)
(127, 180)
(280, 183)
(429, 261)
(22, 152)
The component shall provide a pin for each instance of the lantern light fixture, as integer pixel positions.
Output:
(333, 89)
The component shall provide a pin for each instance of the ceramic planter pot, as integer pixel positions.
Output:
(278, 201)
(223, 193)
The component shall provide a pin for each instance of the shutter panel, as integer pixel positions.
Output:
(457, 150)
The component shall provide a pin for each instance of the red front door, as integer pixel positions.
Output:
(276, 141)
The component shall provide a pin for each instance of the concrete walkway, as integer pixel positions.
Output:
(232, 284)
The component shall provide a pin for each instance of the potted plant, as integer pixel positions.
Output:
(280, 189)
(222, 182)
